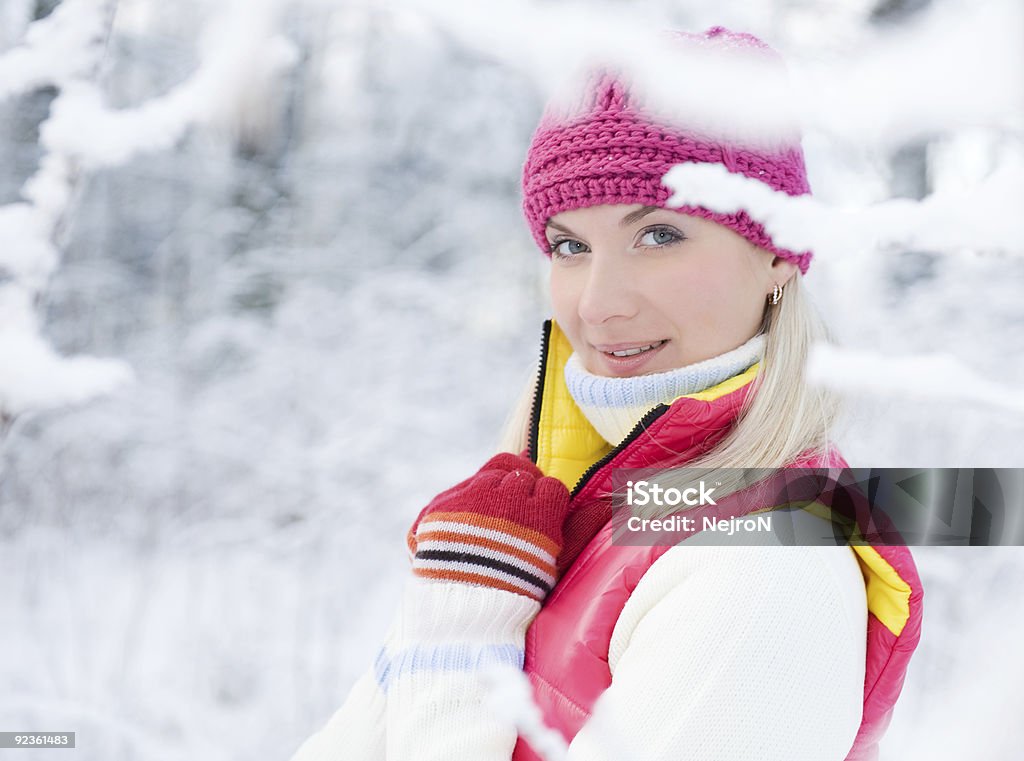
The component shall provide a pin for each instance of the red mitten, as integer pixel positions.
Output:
(501, 528)
(503, 461)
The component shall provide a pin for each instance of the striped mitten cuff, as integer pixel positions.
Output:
(502, 528)
(485, 550)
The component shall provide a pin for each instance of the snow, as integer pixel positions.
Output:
(265, 289)
(25, 251)
(939, 376)
(56, 49)
(242, 56)
(953, 68)
(980, 217)
(510, 697)
(34, 377)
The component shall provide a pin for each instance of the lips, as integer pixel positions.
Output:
(628, 358)
(629, 349)
(638, 350)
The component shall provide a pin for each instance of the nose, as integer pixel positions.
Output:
(608, 291)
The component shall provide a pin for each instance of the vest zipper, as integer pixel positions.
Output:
(650, 416)
(538, 392)
(538, 395)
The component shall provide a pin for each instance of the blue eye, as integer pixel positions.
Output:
(662, 236)
(559, 253)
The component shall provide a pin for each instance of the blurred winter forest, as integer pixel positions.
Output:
(265, 289)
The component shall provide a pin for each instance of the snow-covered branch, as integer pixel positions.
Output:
(949, 71)
(957, 67)
(510, 697)
(924, 376)
(33, 375)
(982, 218)
(58, 48)
(242, 59)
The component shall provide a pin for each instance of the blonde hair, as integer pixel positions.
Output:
(782, 416)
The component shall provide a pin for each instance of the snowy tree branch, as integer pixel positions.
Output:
(242, 60)
(982, 218)
(925, 376)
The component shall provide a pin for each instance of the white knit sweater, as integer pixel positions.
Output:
(735, 653)
(731, 653)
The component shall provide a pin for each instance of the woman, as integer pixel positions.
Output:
(678, 338)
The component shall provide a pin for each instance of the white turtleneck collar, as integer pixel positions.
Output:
(614, 405)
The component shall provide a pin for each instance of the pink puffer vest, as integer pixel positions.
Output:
(567, 644)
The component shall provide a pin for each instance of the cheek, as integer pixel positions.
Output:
(706, 298)
(564, 292)
(563, 297)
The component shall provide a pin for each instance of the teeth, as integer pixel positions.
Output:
(631, 352)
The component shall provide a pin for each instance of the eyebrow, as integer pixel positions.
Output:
(633, 216)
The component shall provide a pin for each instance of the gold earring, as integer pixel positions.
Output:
(776, 296)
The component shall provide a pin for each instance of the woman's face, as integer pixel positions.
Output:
(625, 277)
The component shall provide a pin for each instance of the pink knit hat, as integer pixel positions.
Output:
(612, 152)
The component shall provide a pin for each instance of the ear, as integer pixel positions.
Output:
(780, 271)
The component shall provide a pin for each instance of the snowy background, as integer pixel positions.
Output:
(265, 289)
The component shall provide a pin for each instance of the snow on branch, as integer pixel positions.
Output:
(957, 67)
(510, 698)
(961, 66)
(558, 44)
(242, 58)
(58, 48)
(33, 375)
(982, 218)
(926, 376)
